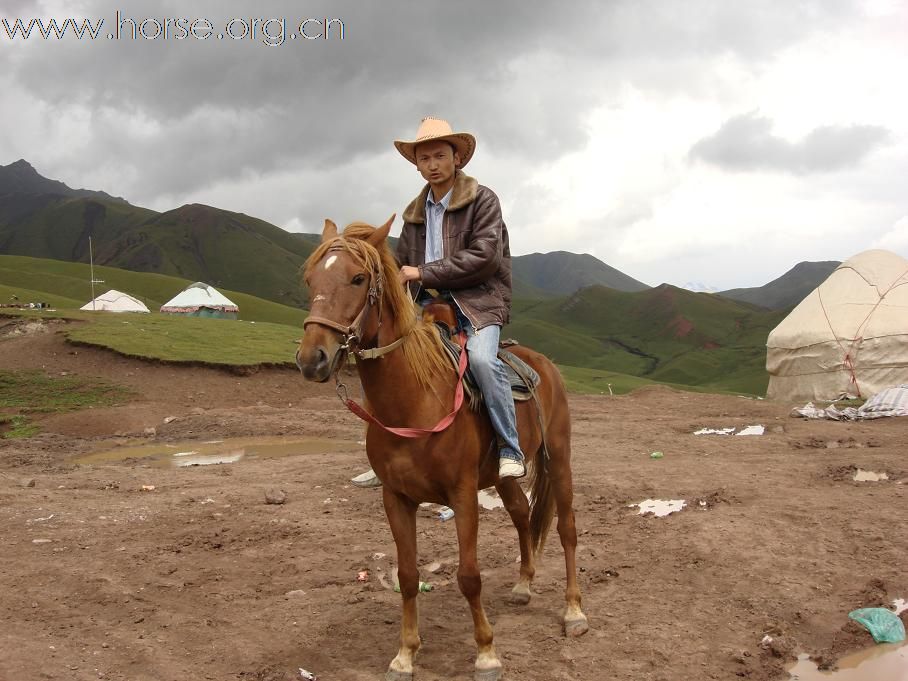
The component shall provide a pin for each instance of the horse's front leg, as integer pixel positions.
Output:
(466, 515)
(401, 514)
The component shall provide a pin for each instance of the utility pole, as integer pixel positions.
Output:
(91, 264)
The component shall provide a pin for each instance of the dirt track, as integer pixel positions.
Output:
(200, 579)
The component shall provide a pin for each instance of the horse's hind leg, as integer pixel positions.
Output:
(515, 501)
(401, 514)
(575, 622)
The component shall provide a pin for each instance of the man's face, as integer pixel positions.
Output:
(436, 162)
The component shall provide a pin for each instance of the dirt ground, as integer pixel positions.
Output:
(199, 578)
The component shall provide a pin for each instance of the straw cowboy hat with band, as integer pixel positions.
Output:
(431, 129)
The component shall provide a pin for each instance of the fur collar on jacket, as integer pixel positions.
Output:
(464, 193)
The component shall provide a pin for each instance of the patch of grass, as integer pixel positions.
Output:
(191, 339)
(35, 392)
(17, 427)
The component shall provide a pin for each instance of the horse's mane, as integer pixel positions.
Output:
(422, 345)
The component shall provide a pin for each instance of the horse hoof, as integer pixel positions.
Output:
(487, 674)
(576, 627)
(398, 676)
(519, 597)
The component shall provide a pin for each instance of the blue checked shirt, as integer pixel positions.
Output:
(435, 213)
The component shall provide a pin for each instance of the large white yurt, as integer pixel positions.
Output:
(848, 337)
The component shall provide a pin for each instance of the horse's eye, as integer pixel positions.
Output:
(358, 279)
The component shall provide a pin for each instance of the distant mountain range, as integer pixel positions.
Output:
(789, 289)
(575, 308)
(45, 218)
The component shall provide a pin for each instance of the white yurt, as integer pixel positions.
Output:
(115, 301)
(201, 300)
(848, 337)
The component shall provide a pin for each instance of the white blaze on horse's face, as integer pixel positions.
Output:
(330, 261)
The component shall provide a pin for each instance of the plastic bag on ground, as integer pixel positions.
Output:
(883, 624)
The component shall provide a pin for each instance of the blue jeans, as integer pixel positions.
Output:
(490, 374)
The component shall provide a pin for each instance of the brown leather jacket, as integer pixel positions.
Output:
(476, 267)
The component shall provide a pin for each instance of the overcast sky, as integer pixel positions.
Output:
(699, 141)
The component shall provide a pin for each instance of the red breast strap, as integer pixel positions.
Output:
(441, 425)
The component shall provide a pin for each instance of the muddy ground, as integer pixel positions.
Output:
(199, 578)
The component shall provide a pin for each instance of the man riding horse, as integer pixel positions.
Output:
(454, 240)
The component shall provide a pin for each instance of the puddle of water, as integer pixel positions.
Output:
(869, 476)
(183, 454)
(884, 662)
(660, 507)
(489, 499)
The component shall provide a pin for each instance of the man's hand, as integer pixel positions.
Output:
(408, 273)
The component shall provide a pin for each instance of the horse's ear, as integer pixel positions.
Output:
(330, 231)
(381, 233)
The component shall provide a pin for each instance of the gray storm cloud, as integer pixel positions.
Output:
(182, 115)
(747, 142)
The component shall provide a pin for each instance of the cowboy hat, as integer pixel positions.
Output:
(431, 129)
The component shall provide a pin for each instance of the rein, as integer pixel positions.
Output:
(352, 334)
(414, 432)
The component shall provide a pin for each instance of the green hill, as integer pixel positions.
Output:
(194, 242)
(32, 279)
(561, 273)
(663, 334)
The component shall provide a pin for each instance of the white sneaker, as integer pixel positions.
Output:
(367, 479)
(510, 468)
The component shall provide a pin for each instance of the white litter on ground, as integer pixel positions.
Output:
(489, 499)
(860, 475)
(900, 605)
(748, 430)
(752, 430)
(660, 507)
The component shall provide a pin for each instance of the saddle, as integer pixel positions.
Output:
(522, 377)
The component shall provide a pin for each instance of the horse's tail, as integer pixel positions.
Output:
(542, 501)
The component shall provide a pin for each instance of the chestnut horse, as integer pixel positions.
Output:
(358, 306)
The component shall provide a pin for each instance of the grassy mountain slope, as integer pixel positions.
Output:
(788, 290)
(219, 247)
(663, 334)
(194, 242)
(28, 277)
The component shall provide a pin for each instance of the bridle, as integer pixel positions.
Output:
(353, 333)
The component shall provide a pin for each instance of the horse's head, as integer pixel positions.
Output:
(346, 281)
